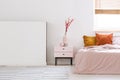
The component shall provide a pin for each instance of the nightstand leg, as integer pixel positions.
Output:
(71, 61)
(55, 61)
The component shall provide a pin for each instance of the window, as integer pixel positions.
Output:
(107, 4)
(107, 15)
(107, 22)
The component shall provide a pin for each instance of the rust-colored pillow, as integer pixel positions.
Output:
(89, 40)
(102, 39)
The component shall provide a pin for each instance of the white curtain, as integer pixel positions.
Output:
(107, 22)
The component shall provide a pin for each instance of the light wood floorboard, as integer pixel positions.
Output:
(48, 73)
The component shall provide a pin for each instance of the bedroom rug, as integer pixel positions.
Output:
(35, 73)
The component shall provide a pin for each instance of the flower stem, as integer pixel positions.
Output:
(65, 33)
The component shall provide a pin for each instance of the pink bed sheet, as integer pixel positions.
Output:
(98, 60)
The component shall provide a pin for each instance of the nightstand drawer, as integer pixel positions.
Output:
(59, 54)
(63, 49)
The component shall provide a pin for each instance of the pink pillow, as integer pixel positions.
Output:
(116, 40)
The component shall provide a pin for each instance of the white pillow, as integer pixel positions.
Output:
(116, 40)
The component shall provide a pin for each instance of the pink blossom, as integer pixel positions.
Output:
(67, 24)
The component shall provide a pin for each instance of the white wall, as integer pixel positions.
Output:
(54, 12)
(22, 43)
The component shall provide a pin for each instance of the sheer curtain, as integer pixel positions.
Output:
(107, 22)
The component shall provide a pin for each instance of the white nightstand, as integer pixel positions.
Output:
(63, 53)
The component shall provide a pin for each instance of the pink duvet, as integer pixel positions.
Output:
(103, 59)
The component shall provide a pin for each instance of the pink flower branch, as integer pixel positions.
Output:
(67, 24)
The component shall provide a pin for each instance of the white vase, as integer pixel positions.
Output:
(65, 41)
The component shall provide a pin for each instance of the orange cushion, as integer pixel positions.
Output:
(102, 39)
(89, 40)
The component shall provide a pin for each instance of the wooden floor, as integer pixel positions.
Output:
(35, 73)
(48, 73)
(93, 77)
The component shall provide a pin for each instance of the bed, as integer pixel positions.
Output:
(103, 59)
